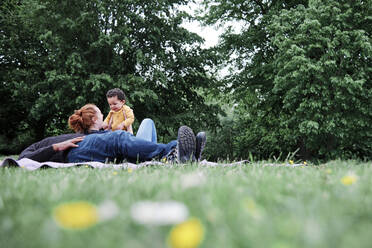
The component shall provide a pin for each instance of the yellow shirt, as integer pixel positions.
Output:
(118, 118)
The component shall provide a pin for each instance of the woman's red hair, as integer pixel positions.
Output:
(82, 119)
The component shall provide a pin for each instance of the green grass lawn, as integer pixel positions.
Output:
(244, 206)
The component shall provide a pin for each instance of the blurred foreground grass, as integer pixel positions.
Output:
(251, 205)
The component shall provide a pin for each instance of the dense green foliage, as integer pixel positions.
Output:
(56, 56)
(244, 206)
(302, 79)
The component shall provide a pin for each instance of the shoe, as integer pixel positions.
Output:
(201, 140)
(171, 157)
(186, 145)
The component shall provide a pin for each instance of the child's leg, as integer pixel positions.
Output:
(147, 131)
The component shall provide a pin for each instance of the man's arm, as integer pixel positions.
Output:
(41, 155)
(67, 144)
(45, 153)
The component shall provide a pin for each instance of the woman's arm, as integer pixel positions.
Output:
(106, 122)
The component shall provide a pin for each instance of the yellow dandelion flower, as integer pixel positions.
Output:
(22, 166)
(86, 166)
(164, 160)
(76, 215)
(328, 171)
(130, 170)
(305, 163)
(291, 161)
(348, 180)
(114, 173)
(188, 234)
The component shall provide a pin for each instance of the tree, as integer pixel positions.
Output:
(303, 76)
(57, 56)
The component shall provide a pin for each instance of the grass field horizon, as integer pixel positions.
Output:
(251, 205)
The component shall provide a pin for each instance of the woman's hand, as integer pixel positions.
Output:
(67, 144)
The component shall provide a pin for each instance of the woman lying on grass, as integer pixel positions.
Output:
(89, 143)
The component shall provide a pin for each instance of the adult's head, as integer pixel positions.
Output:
(85, 119)
(116, 99)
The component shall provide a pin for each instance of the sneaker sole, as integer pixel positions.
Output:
(186, 144)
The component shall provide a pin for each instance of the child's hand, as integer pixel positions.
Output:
(121, 126)
(105, 126)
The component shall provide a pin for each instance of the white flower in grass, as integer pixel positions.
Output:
(107, 210)
(159, 213)
(193, 180)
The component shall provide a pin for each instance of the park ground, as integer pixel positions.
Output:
(257, 204)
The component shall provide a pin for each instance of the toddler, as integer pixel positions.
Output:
(121, 116)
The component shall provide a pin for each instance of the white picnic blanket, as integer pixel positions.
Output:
(31, 165)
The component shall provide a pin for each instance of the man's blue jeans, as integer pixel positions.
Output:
(106, 146)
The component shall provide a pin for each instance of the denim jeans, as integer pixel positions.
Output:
(106, 146)
(147, 131)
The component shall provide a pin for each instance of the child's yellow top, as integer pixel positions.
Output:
(118, 117)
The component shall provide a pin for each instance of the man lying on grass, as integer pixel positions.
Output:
(89, 143)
